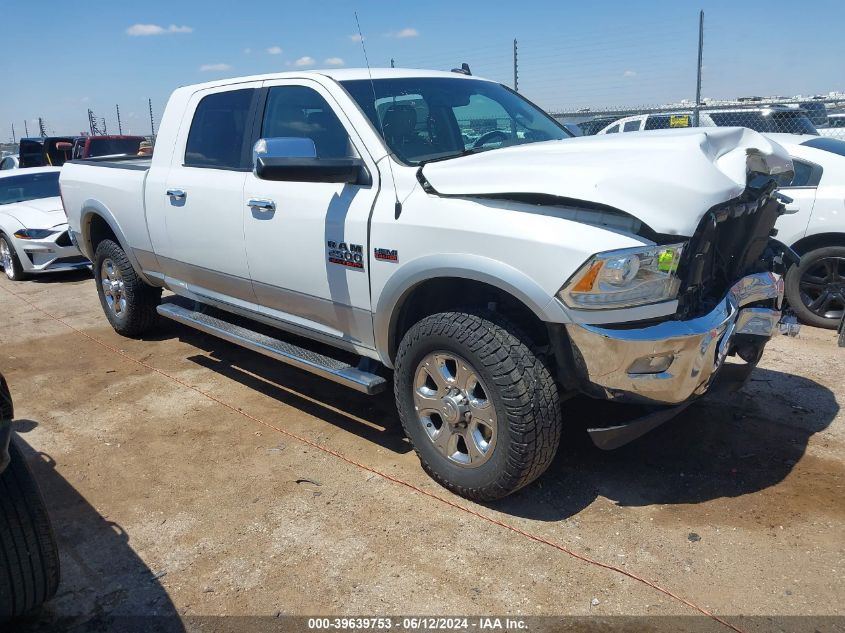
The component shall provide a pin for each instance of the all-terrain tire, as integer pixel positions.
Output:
(523, 392)
(15, 271)
(809, 261)
(140, 314)
(29, 557)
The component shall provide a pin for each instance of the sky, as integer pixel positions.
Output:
(62, 57)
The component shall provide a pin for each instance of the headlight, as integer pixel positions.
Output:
(625, 278)
(34, 234)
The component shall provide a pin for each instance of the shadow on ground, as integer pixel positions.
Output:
(720, 447)
(103, 580)
(64, 276)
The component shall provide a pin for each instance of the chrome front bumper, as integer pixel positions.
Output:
(673, 361)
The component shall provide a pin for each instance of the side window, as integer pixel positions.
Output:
(297, 111)
(5, 164)
(219, 129)
(657, 122)
(806, 175)
(613, 130)
(632, 126)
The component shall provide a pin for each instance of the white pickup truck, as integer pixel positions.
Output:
(443, 227)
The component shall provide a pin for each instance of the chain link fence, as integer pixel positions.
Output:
(817, 116)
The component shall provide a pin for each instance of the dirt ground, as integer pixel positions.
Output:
(168, 501)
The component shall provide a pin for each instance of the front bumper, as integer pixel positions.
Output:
(674, 361)
(54, 253)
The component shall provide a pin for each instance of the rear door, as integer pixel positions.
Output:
(201, 199)
(802, 190)
(308, 255)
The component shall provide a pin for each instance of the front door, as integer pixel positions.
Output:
(201, 198)
(307, 242)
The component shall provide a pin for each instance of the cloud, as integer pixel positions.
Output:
(404, 33)
(215, 67)
(305, 61)
(334, 61)
(274, 50)
(247, 51)
(629, 73)
(356, 37)
(154, 29)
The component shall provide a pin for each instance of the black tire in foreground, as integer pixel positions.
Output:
(479, 405)
(129, 303)
(815, 288)
(12, 267)
(29, 558)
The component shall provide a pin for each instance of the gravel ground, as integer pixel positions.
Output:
(166, 500)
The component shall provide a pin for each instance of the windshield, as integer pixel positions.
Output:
(778, 121)
(434, 118)
(30, 187)
(112, 146)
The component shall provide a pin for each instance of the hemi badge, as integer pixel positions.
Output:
(387, 254)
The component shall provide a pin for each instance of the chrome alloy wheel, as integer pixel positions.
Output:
(114, 288)
(5, 257)
(454, 408)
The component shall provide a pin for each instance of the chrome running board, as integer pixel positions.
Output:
(311, 361)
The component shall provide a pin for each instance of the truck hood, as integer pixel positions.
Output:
(667, 179)
(44, 213)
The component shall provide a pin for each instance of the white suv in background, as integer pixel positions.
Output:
(771, 119)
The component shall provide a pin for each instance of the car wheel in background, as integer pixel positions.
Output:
(815, 288)
(9, 260)
(478, 404)
(28, 548)
(129, 303)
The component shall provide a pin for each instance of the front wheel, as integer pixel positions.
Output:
(129, 303)
(815, 288)
(478, 404)
(9, 260)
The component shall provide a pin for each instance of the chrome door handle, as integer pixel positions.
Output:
(179, 194)
(262, 205)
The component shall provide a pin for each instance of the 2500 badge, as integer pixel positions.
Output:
(349, 255)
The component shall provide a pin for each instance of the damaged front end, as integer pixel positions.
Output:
(729, 305)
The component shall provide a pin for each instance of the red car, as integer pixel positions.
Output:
(111, 145)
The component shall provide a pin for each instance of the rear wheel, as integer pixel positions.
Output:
(816, 287)
(129, 303)
(9, 260)
(29, 558)
(478, 404)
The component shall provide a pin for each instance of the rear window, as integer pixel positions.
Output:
(28, 187)
(219, 129)
(112, 146)
(833, 145)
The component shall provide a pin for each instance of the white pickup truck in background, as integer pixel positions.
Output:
(441, 226)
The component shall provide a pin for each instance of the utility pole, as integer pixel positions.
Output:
(25, 128)
(697, 111)
(105, 130)
(515, 67)
(392, 63)
(152, 121)
(41, 129)
(119, 126)
(91, 124)
(14, 140)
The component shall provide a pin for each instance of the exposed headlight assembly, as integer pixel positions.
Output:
(625, 278)
(34, 234)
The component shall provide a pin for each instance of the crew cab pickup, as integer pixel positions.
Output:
(442, 229)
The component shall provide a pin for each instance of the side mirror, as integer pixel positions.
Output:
(294, 159)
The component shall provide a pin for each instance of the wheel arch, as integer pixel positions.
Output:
(819, 240)
(437, 283)
(98, 223)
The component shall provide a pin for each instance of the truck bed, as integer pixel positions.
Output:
(141, 163)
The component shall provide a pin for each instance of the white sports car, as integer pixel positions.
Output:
(815, 227)
(33, 225)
